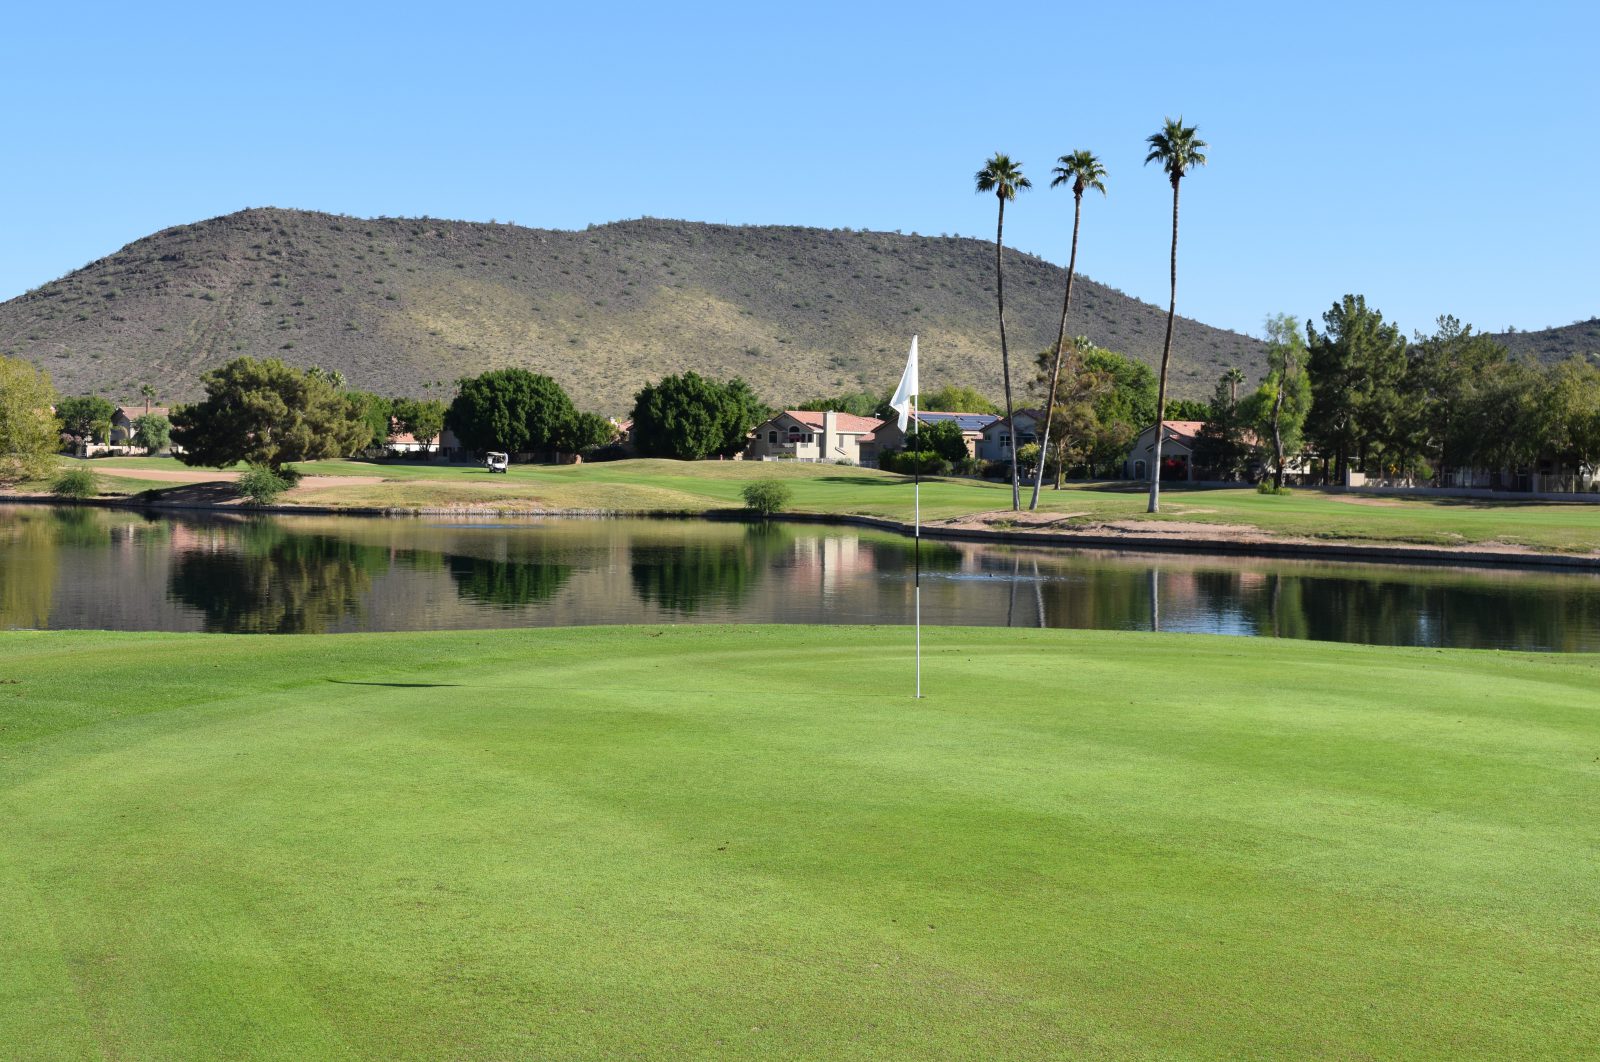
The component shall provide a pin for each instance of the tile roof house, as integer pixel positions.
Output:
(122, 421)
(811, 435)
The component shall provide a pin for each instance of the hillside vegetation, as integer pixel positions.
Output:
(406, 306)
(1580, 338)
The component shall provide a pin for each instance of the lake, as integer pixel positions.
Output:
(75, 568)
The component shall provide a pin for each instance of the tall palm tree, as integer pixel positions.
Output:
(1083, 171)
(1233, 378)
(1004, 178)
(149, 393)
(1177, 148)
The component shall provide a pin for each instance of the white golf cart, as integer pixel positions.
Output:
(496, 462)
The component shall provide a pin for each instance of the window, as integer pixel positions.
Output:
(772, 436)
(1139, 471)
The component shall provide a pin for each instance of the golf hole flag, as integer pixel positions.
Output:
(904, 400)
(904, 403)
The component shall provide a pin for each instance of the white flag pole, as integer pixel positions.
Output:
(916, 536)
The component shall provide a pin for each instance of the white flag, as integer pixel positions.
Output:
(905, 395)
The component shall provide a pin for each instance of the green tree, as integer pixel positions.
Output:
(86, 417)
(510, 410)
(152, 431)
(1284, 400)
(1083, 171)
(690, 417)
(1506, 419)
(422, 418)
(1571, 419)
(148, 393)
(28, 432)
(1222, 443)
(1356, 367)
(373, 412)
(943, 437)
(1004, 178)
(860, 403)
(1177, 148)
(1444, 372)
(1123, 408)
(1077, 424)
(264, 412)
(1187, 409)
(584, 432)
(953, 399)
(767, 497)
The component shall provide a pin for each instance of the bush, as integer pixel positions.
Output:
(907, 462)
(76, 483)
(259, 485)
(1266, 487)
(767, 496)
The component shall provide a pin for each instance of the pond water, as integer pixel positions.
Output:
(105, 569)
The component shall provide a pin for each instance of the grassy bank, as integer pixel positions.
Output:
(751, 843)
(673, 486)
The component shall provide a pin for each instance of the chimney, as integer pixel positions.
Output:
(830, 434)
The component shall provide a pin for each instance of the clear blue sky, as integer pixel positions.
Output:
(1437, 158)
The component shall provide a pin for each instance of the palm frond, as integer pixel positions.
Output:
(1001, 175)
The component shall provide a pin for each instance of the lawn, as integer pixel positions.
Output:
(752, 843)
(656, 486)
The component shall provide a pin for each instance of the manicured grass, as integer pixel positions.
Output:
(653, 486)
(752, 843)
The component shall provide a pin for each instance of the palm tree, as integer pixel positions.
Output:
(1233, 378)
(149, 393)
(1177, 148)
(1004, 178)
(1083, 171)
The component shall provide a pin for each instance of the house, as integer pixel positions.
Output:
(122, 421)
(995, 442)
(1183, 456)
(403, 442)
(972, 425)
(809, 435)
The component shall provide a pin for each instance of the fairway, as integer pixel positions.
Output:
(752, 843)
(661, 486)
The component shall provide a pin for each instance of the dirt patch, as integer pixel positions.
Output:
(1377, 503)
(168, 475)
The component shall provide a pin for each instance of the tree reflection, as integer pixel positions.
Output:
(506, 583)
(276, 582)
(686, 576)
(28, 565)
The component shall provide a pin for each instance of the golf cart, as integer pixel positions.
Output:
(496, 462)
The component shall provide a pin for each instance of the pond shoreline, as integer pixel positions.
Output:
(1249, 542)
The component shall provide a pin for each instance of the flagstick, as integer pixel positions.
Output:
(916, 537)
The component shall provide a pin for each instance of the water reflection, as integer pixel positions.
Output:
(95, 568)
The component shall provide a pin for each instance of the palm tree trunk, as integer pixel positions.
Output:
(1005, 356)
(1055, 371)
(1166, 359)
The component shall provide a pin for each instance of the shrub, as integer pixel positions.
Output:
(259, 485)
(767, 496)
(75, 483)
(907, 462)
(1266, 487)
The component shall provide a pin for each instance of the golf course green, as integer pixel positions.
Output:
(752, 842)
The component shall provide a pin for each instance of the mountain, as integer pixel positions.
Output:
(407, 305)
(1555, 344)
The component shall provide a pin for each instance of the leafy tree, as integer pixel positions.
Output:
(75, 483)
(86, 417)
(1177, 148)
(1123, 408)
(1284, 399)
(511, 410)
(1004, 178)
(1444, 372)
(1076, 388)
(1356, 367)
(1506, 418)
(584, 432)
(1187, 409)
(1222, 441)
(28, 434)
(953, 399)
(1572, 411)
(373, 413)
(264, 412)
(860, 403)
(423, 418)
(152, 431)
(767, 496)
(260, 485)
(690, 417)
(1082, 170)
(942, 437)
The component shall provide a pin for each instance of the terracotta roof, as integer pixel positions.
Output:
(848, 422)
(134, 412)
